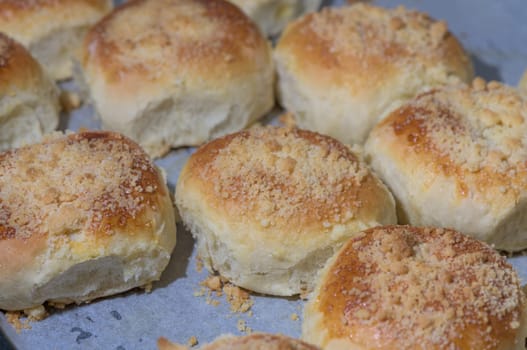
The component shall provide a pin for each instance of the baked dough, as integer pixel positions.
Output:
(82, 216)
(171, 73)
(269, 206)
(257, 341)
(342, 69)
(401, 287)
(455, 157)
(29, 101)
(52, 30)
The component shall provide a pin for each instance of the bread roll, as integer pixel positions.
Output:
(273, 15)
(170, 73)
(29, 102)
(270, 205)
(401, 287)
(82, 216)
(52, 30)
(455, 157)
(342, 69)
(257, 341)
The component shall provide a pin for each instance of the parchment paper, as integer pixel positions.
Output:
(495, 33)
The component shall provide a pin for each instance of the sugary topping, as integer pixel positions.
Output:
(476, 132)
(15, 14)
(282, 174)
(8, 6)
(150, 37)
(24, 4)
(432, 287)
(367, 30)
(260, 342)
(5, 49)
(89, 181)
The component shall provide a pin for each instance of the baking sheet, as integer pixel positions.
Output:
(494, 32)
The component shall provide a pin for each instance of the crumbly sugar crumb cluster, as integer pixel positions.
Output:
(82, 181)
(366, 30)
(427, 288)
(471, 132)
(294, 173)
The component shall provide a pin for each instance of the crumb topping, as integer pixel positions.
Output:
(259, 341)
(152, 37)
(470, 132)
(8, 7)
(90, 181)
(432, 287)
(5, 49)
(367, 30)
(283, 174)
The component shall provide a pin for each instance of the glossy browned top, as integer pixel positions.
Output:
(285, 178)
(259, 341)
(156, 39)
(364, 45)
(95, 182)
(400, 287)
(473, 135)
(18, 69)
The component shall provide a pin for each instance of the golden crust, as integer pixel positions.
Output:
(87, 200)
(257, 341)
(146, 42)
(30, 20)
(352, 45)
(284, 180)
(18, 69)
(36, 5)
(63, 185)
(400, 287)
(270, 205)
(472, 135)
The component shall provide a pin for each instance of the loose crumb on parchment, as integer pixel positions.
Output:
(199, 264)
(242, 327)
(216, 286)
(147, 287)
(69, 100)
(17, 320)
(192, 341)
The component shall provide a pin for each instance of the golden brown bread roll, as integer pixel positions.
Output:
(257, 341)
(52, 30)
(455, 157)
(402, 287)
(342, 69)
(269, 206)
(29, 99)
(171, 73)
(82, 216)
